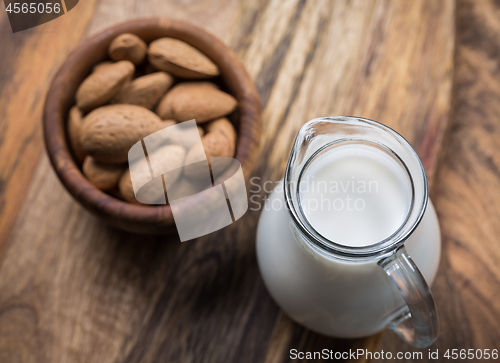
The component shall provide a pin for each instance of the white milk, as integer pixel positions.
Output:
(325, 294)
(355, 195)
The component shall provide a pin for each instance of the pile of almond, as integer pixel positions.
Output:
(140, 90)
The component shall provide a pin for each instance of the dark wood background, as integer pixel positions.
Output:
(74, 290)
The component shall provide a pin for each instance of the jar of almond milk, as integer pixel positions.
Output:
(349, 242)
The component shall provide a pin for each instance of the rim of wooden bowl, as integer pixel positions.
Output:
(60, 98)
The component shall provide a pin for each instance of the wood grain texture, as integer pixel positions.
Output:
(391, 62)
(466, 193)
(24, 82)
(73, 289)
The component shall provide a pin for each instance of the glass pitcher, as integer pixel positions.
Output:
(365, 281)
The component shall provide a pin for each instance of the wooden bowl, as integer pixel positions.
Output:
(61, 97)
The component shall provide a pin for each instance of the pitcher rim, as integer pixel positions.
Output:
(379, 249)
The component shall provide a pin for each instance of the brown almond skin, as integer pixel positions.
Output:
(188, 100)
(102, 66)
(103, 176)
(167, 123)
(75, 123)
(177, 136)
(128, 47)
(222, 125)
(110, 131)
(180, 59)
(101, 86)
(215, 144)
(126, 189)
(145, 91)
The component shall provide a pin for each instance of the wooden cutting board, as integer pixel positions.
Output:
(74, 289)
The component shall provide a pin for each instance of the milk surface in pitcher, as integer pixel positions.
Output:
(354, 195)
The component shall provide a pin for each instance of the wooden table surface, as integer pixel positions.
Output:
(75, 290)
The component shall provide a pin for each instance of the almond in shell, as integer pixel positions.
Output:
(222, 125)
(75, 123)
(101, 86)
(145, 91)
(128, 47)
(102, 66)
(215, 144)
(192, 100)
(110, 131)
(180, 59)
(103, 176)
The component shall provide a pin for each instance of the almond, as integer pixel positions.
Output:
(145, 91)
(110, 131)
(222, 125)
(103, 176)
(167, 123)
(127, 191)
(128, 47)
(100, 87)
(190, 100)
(102, 66)
(215, 144)
(171, 155)
(75, 122)
(180, 59)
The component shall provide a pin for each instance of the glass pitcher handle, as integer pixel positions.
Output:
(419, 327)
